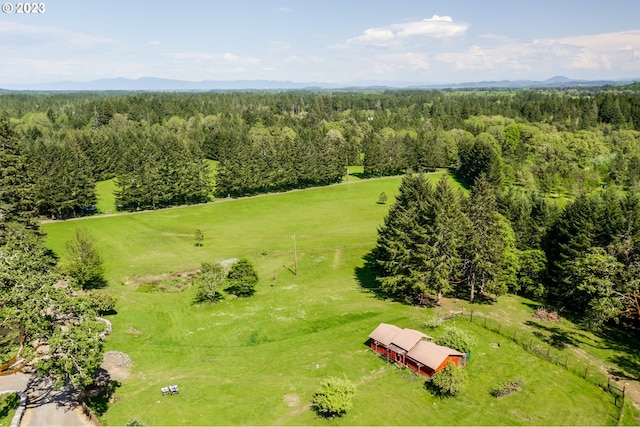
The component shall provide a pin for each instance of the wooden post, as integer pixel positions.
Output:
(530, 343)
(566, 362)
(295, 256)
(549, 352)
(514, 334)
(470, 316)
(499, 326)
(585, 372)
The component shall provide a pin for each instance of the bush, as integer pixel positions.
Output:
(433, 322)
(133, 421)
(507, 388)
(102, 302)
(448, 382)
(456, 339)
(334, 397)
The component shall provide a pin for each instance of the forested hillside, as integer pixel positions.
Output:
(523, 154)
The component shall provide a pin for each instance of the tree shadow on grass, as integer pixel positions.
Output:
(624, 339)
(554, 336)
(366, 276)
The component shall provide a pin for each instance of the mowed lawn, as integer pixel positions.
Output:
(257, 361)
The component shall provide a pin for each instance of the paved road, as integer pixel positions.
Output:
(45, 406)
(15, 382)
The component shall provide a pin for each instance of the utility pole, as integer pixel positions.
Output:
(295, 256)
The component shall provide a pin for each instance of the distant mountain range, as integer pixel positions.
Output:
(155, 84)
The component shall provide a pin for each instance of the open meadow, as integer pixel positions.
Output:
(258, 360)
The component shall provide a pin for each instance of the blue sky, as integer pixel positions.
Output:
(418, 41)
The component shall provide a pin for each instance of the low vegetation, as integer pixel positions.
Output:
(8, 404)
(507, 388)
(456, 338)
(334, 397)
(448, 382)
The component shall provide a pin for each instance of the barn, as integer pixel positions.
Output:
(412, 349)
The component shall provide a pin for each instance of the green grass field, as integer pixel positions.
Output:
(258, 361)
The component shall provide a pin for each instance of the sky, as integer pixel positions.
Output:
(346, 41)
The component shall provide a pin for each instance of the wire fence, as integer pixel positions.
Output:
(554, 352)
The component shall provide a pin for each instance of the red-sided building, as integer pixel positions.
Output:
(412, 349)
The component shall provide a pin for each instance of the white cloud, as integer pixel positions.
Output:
(434, 27)
(551, 56)
(230, 57)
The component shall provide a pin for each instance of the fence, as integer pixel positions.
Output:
(533, 343)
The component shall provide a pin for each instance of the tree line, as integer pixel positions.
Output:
(155, 145)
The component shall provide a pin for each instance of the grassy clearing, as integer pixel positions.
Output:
(258, 361)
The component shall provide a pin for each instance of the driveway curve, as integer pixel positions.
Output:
(46, 406)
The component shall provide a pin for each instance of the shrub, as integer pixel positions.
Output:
(334, 397)
(456, 339)
(433, 322)
(507, 388)
(102, 302)
(448, 382)
(133, 421)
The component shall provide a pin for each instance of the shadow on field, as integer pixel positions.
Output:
(365, 275)
(556, 337)
(624, 338)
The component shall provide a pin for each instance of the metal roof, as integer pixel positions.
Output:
(430, 354)
(385, 333)
(408, 338)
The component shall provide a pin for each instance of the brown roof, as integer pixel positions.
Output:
(408, 338)
(385, 333)
(430, 354)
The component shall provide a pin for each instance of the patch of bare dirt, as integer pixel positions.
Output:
(118, 365)
(291, 399)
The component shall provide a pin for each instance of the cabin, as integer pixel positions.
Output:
(413, 349)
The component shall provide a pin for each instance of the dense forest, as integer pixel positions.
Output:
(523, 155)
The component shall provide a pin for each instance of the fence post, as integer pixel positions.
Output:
(585, 372)
(549, 353)
(530, 344)
(566, 362)
(499, 326)
(471, 317)
(514, 334)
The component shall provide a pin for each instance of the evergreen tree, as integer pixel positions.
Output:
(484, 249)
(450, 225)
(402, 264)
(16, 186)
